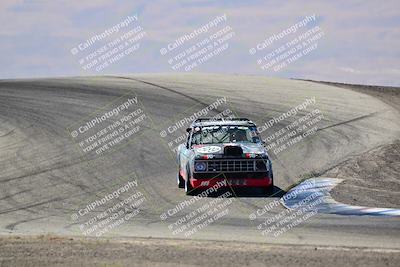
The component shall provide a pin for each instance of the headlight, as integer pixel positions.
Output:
(200, 166)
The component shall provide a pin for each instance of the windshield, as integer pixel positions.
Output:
(225, 134)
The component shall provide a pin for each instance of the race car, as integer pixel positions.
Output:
(227, 152)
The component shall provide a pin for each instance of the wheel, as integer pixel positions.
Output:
(271, 174)
(268, 190)
(189, 190)
(180, 180)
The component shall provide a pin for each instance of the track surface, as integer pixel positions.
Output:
(44, 179)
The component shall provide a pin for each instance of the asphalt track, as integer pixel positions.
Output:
(44, 178)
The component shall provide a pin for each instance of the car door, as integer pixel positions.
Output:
(185, 154)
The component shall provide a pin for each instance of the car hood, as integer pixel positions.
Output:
(218, 149)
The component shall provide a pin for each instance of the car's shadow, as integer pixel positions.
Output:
(258, 192)
(246, 192)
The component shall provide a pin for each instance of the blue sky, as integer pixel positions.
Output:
(361, 42)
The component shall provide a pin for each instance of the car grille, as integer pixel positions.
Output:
(230, 175)
(231, 166)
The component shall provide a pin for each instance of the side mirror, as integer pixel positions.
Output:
(188, 130)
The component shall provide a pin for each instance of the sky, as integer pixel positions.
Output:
(360, 40)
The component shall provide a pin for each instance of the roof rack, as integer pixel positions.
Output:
(220, 119)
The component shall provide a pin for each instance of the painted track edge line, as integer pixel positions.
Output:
(314, 194)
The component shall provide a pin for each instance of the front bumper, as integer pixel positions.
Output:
(231, 182)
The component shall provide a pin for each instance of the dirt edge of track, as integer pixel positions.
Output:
(371, 175)
(59, 251)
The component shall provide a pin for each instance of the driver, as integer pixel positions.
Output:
(239, 136)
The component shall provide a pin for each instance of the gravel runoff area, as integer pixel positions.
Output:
(58, 251)
(372, 178)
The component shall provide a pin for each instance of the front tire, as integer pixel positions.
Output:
(189, 190)
(180, 180)
(268, 190)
